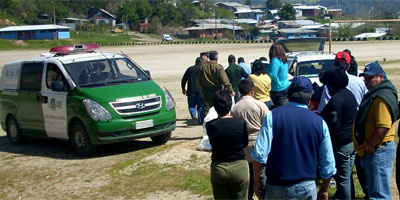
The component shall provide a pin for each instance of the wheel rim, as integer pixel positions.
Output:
(13, 130)
(79, 139)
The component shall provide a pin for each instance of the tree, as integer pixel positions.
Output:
(345, 30)
(287, 12)
(274, 4)
(168, 14)
(189, 11)
(4, 5)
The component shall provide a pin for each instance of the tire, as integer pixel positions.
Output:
(161, 139)
(79, 139)
(14, 133)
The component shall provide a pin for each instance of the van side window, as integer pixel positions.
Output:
(53, 73)
(31, 77)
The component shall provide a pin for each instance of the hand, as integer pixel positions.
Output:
(256, 188)
(370, 149)
(233, 93)
(323, 195)
(183, 91)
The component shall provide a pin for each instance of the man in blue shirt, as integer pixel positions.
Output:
(291, 141)
(243, 65)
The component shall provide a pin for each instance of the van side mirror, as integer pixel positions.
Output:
(58, 86)
(148, 73)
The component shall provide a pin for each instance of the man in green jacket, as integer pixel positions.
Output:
(235, 74)
(374, 131)
(211, 78)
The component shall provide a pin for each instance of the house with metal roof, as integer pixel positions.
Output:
(296, 33)
(102, 16)
(212, 30)
(35, 32)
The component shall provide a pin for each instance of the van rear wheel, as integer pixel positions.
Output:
(161, 139)
(79, 139)
(14, 133)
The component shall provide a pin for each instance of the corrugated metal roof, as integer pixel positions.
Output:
(33, 27)
(296, 30)
(367, 35)
(212, 26)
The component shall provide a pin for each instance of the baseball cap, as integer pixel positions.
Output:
(372, 69)
(301, 84)
(342, 57)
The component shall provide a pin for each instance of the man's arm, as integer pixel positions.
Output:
(377, 138)
(257, 183)
(327, 162)
(225, 80)
(184, 81)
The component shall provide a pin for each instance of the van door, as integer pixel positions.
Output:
(30, 115)
(55, 109)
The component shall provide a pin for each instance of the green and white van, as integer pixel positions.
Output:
(87, 97)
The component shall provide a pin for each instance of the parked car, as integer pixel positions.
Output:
(306, 57)
(87, 97)
(166, 37)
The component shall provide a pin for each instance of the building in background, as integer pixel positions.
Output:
(35, 32)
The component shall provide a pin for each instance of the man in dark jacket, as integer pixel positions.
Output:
(235, 73)
(374, 131)
(193, 92)
(339, 114)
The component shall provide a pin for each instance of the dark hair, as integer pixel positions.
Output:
(245, 86)
(300, 97)
(199, 60)
(231, 59)
(341, 65)
(205, 54)
(276, 50)
(262, 58)
(240, 59)
(258, 68)
(213, 55)
(348, 51)
(222, 102)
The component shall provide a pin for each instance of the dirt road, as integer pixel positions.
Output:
(50, 170)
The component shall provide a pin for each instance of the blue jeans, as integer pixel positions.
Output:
(378, 169)
(196, 104)
(302, 190)
(344, 158)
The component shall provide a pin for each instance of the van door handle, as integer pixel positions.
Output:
(45, 99)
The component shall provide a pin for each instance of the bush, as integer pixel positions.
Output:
(378, 38)
(365, 39)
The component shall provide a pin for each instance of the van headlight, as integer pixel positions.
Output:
(169, 101)
(96, 111)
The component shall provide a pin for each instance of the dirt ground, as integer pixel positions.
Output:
(167, 63)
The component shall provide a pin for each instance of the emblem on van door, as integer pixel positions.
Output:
(140, 106)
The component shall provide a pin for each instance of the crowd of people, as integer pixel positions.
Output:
(274, 137)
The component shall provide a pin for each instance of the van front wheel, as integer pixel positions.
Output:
(161, 139)
(79, 140)
(14, 133)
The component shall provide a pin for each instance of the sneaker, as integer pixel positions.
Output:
(194, 121)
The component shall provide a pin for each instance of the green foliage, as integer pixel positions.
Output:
(274, 4)
(287, 12)
(255, 31)
(223, 13)
(345, 30)
(168, 14)
(189, 11)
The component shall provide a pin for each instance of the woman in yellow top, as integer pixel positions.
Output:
(262, 83)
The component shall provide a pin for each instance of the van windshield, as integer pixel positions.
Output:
(313, 68)
(97, 73)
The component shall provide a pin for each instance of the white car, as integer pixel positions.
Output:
(166, 37)
(306, 57)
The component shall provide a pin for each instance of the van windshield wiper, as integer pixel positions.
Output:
(93, 84)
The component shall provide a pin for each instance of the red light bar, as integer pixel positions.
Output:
(64, 50)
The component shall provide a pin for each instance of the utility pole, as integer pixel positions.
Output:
(54, 11)
(216, 30)
(233, 28)
(126, 21)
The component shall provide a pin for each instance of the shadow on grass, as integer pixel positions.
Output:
(61, 150)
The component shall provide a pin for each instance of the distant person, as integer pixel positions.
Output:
(262, 83)
(353, 70)
(228, 137)
(253, 112)
(243, 65)
(339, 114)
(212, 78)
(356, 84)
(193, 92)
(278, 71)
(291, 142)
(205, 56)
(235, 74)
(264, 60)
(374, 131)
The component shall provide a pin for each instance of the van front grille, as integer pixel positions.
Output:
(134, 106)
